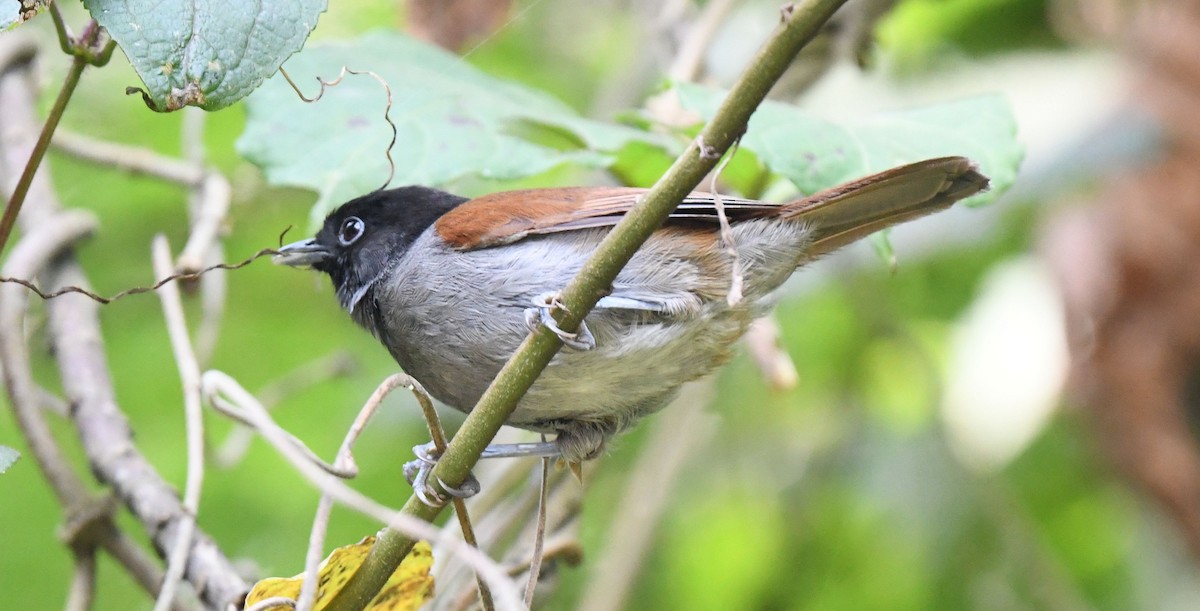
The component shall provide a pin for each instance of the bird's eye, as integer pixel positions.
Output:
(351, 231)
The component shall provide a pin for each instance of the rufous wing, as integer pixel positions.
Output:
(838, 216)
(503, 218)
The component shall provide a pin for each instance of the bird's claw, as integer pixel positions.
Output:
(417, 473)
(542, 314)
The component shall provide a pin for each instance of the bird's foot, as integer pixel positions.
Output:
(418, 471)
(542, 314)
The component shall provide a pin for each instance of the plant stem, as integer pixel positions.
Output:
(800, 23)
(13, 207)
(84, 52)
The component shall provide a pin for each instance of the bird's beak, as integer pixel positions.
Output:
(302, 254)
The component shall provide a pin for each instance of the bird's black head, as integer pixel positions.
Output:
(360, 240)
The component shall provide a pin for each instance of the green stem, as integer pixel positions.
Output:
(13, 207)
(801, 21)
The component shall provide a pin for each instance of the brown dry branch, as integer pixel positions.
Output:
(189, 375)
(132, 159)
(89, 520)
(78, 347)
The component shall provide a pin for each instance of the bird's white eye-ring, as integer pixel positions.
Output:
(351, 231)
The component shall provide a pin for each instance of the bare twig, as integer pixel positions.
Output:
(92, 47)
(26, 399)
(30, 255)
(762, 342)
(189, 375)
(247, 410)
(222, 389)
(214, 197)
(539, 537)
(316, 372)
(133, 159)
(78, 348)
(137, 290)
(314, 554)
(344, 460)
(727, 241)
(690, 57)
(83, 581)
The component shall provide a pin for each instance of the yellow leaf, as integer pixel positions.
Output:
(408, 588)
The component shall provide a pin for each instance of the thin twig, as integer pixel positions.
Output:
(345, 461)
(763, 343)
(133, 159)
(65, 37)
(26, 399)
(214, 197)
(82, 592)
(309, 374)
(314, 554)
(84, 52)
(539, 533)
(189, 375)
(220, 388)
(690, 57)
(208, 209)
(29, 256)
(727, 240)
(13, 207)
(74, 334)
(387, 110)
(250, 412)
(137, 290)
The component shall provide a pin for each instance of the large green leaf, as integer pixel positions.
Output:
(452, 121)
(817, 153)
(206, 54)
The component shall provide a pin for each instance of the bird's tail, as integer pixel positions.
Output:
(848, 212)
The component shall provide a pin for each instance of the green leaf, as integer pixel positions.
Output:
(8, 456)
(206, 54)
(451, 119)
(817, 153)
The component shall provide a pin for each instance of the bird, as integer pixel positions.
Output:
(451, 286)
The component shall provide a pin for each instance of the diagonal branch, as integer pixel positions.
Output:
(800, 23)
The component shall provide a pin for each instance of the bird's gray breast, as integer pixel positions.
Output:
(453, 318)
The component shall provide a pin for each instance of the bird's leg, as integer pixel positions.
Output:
(542, 314)
(545, 449)
(417, 471)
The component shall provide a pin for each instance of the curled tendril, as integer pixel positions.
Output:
(141, 289)
(387, 110)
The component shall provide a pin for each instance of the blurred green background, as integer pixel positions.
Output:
(845, 492)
